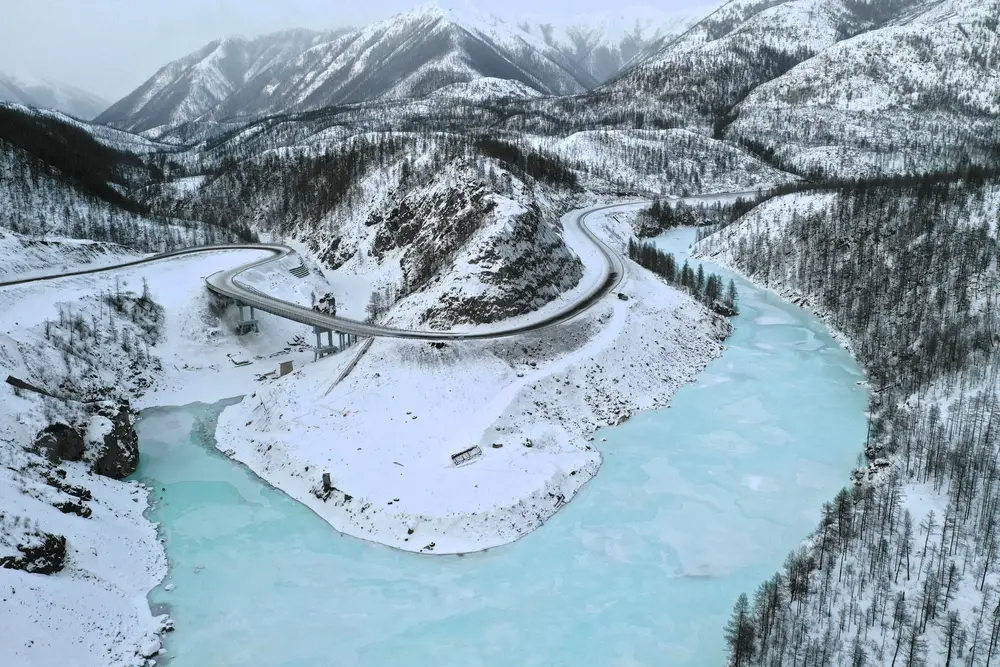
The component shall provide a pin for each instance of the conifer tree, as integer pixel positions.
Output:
(740, 633)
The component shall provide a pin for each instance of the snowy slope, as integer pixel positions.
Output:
(108, 136)
(659, 162)
(45, 94)
(748, 42)
(195, 84)
(841, 86)
(25, 257)
(485, 89)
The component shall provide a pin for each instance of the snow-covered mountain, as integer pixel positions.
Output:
(409, 55)
(897, 84)
(45, 94)
(712, 67)
(924, 89)
(197, 83)
(605, 43)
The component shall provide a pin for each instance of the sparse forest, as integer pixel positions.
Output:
(55, 179)
(112, 330)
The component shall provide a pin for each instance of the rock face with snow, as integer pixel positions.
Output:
(491, 256)
(60, 442)
(44, 554)
(113, 443)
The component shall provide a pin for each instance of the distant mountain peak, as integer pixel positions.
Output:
(43, 93)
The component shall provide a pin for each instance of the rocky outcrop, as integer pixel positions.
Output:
(115, 443)
(516, 269)
(46, 557)
(60, 442)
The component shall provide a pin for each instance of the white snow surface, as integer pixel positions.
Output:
(387, 432)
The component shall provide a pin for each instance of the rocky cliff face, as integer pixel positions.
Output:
(112, 444)
(60, 442)
(512, 270)
(473, 249)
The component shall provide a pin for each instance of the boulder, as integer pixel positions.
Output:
(60, 442)
(47, 557)
(115, 444)
(724, 310)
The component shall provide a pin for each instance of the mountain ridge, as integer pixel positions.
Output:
(409, 55)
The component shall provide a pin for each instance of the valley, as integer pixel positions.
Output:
(633, 337)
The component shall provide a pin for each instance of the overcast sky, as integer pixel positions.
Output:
(109, 47)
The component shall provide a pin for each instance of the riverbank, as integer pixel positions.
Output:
(931, 436)
(374, 455)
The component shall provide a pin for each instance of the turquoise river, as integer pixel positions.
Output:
(693, 504)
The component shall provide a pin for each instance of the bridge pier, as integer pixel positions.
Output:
(246, 325)
(321, 350)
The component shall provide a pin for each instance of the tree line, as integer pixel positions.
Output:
(709, 288)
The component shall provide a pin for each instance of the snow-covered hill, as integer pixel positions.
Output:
(113, 138)
(745, 43)
(486, 89)
(45, 94)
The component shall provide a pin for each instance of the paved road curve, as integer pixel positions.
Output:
(224, 283)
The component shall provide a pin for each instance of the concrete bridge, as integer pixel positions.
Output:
(249, 300)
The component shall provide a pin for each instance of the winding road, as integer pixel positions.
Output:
(226, 284)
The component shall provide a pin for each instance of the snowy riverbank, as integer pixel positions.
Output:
(94, 612)
(386, 434)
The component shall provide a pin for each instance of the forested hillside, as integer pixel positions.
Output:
(57, 179)
(904, 568)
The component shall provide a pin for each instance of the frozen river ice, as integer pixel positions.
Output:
(693, 505)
